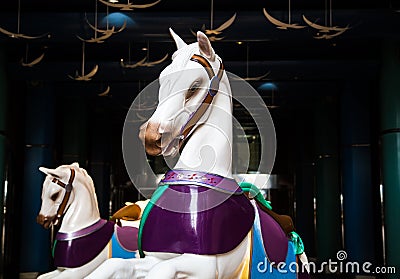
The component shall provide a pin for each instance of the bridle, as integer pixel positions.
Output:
(212, 90)
(68, 189)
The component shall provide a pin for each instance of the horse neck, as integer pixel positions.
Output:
(82, 212)
(209, 147)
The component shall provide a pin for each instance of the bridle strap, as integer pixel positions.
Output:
(211, 92)
(207, 66)
(68, 189)
(203, 62)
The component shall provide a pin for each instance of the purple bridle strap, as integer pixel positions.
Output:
(83, 232)
(209, 180)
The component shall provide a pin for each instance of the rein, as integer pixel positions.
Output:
(68, 189)
(213, 88)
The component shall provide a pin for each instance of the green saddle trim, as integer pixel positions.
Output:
(298, 243)
(54, 248)
(154, 198)
(248, 187)
(255, 193)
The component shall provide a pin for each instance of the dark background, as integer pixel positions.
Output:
(314, 89)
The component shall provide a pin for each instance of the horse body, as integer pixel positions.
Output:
(207, 150)
(83, 240)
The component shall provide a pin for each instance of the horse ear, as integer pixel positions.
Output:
(205, 46)
(178, 41)
(75, 164)
(50, 172)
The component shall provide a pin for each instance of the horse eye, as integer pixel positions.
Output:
(54, 196)
(193, 89)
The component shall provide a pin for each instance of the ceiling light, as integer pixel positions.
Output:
(113, 1)
(239, 42)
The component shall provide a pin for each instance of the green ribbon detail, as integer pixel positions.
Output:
(255, 193)
(54, 248)
(154, 198)
(298, 243)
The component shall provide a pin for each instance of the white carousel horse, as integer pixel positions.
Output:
(84, 240)
(199, 224)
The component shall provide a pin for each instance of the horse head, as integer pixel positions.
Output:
(195, 71)
(59, 192)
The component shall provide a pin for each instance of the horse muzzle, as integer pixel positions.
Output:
(155, 138)
(45, 221)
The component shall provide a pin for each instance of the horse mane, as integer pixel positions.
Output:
(87, 181)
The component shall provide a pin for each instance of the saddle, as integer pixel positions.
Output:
(284, 221)
(130, 212)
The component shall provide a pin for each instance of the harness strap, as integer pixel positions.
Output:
(211, 92)
(82, 232)
(204, 62)
(68, 189)
(205, 179)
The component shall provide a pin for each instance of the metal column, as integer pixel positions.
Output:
(327, 180)
(100, 154)
(39, 140)
(358, 193)
(304, 181)
(74, 133)
(3, 100)
(390, 141)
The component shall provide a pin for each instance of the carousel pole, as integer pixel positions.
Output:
(328, 225)
(358, 193)
(390, 148)
(3, 111)
(39, 141)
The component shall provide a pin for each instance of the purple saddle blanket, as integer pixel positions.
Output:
(127, 237)
(274, 238)
(198, 220)
(79, 251)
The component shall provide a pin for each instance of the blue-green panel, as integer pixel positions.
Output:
(39, 140)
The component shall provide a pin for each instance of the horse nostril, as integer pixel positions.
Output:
(39, 219)
(158, 142)
(44, 221)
